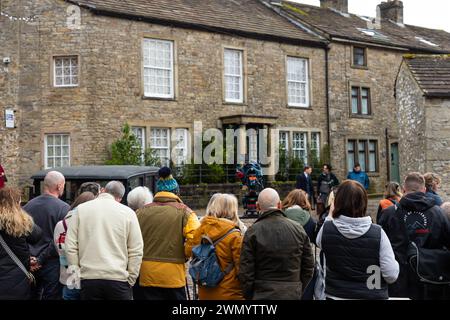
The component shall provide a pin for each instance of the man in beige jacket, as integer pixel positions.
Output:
(104, 242)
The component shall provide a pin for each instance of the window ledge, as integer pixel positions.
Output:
(158, 98)
(373, 174)
(234, 103)
(65, 87)
(360, 67)
(299, 108)
(358, 116)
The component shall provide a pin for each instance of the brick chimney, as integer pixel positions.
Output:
(339, 5)
(392, 10)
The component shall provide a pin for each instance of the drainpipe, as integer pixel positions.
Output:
(388, 156)
(327, 94)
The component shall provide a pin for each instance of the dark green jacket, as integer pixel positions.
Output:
(277, 260)
(162, 224)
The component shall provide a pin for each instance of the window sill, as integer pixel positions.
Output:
(373, 174)
(65, 87)
(359, 116)
(229, 103)
(158, 98)
(360, 67)
(299, 108)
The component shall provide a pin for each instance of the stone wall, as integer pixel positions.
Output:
(379, 76)
(411, 119)
(110, 92)
(437, 139)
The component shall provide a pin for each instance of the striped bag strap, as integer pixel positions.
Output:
(16, 260)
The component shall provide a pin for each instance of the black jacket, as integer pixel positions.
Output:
(331, 179)
(277, 260)
(305, 184)
(415, 219)
(13, 282)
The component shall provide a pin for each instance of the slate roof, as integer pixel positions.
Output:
(338, 25)
(432, 73)
(242, 17)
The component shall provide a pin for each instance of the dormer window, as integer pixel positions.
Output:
(359, 57)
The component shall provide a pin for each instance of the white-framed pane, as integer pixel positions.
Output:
(139, 133)
(233, 75)
(315, 143)
(284, 140)
(299, 143)
(253, 146)
(160, 143)
(65, 71)
(297, 81)
(158, 68)
(57, 150)
(181, 146)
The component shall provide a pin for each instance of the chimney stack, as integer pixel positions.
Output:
(339, 5)
(392, 10)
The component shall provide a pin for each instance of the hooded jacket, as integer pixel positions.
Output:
(303, 217)
(415, 219)
(360, 177)
(228, 251)
(277, 261)
(356, 228)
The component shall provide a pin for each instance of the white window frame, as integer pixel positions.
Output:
(306, 82)
(240, 76)
(46, 156)
(286, 140)
(300, 149)
(184, 147)
(70, 75)
(171, 95)
(317, 141)
(163, 163)
(142, 140)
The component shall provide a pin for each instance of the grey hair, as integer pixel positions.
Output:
(139, 197)
(116, 189)
(52, 179)
(268, 199)
(446, 208)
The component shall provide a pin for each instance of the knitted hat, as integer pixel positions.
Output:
(166, 181)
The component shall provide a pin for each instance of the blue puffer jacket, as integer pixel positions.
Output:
(361, 177)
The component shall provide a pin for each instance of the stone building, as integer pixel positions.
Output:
(79, 70)
(363, 60)
(423, 101)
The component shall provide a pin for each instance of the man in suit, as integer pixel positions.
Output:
(304, 182)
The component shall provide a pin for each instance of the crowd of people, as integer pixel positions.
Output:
(100, 249)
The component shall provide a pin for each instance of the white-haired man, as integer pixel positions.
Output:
(47, 210)
(277, 260)
(104, 241)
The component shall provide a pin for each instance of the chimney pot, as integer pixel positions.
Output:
(339, 5)
(391, 10)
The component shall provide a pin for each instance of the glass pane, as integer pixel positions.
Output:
(372, 162)
(65, 140)
(50, 162)
(50, 140)
(50, 151)
(65, 162)
(58, 162)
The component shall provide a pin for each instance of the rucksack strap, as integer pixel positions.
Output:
(64, 225)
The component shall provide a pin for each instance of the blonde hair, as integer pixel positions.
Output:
(224, 206)
(13, 220)
(296, 197)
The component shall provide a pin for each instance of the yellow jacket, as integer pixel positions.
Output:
(228, 251)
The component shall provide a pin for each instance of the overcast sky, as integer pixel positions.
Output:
(425, 13)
